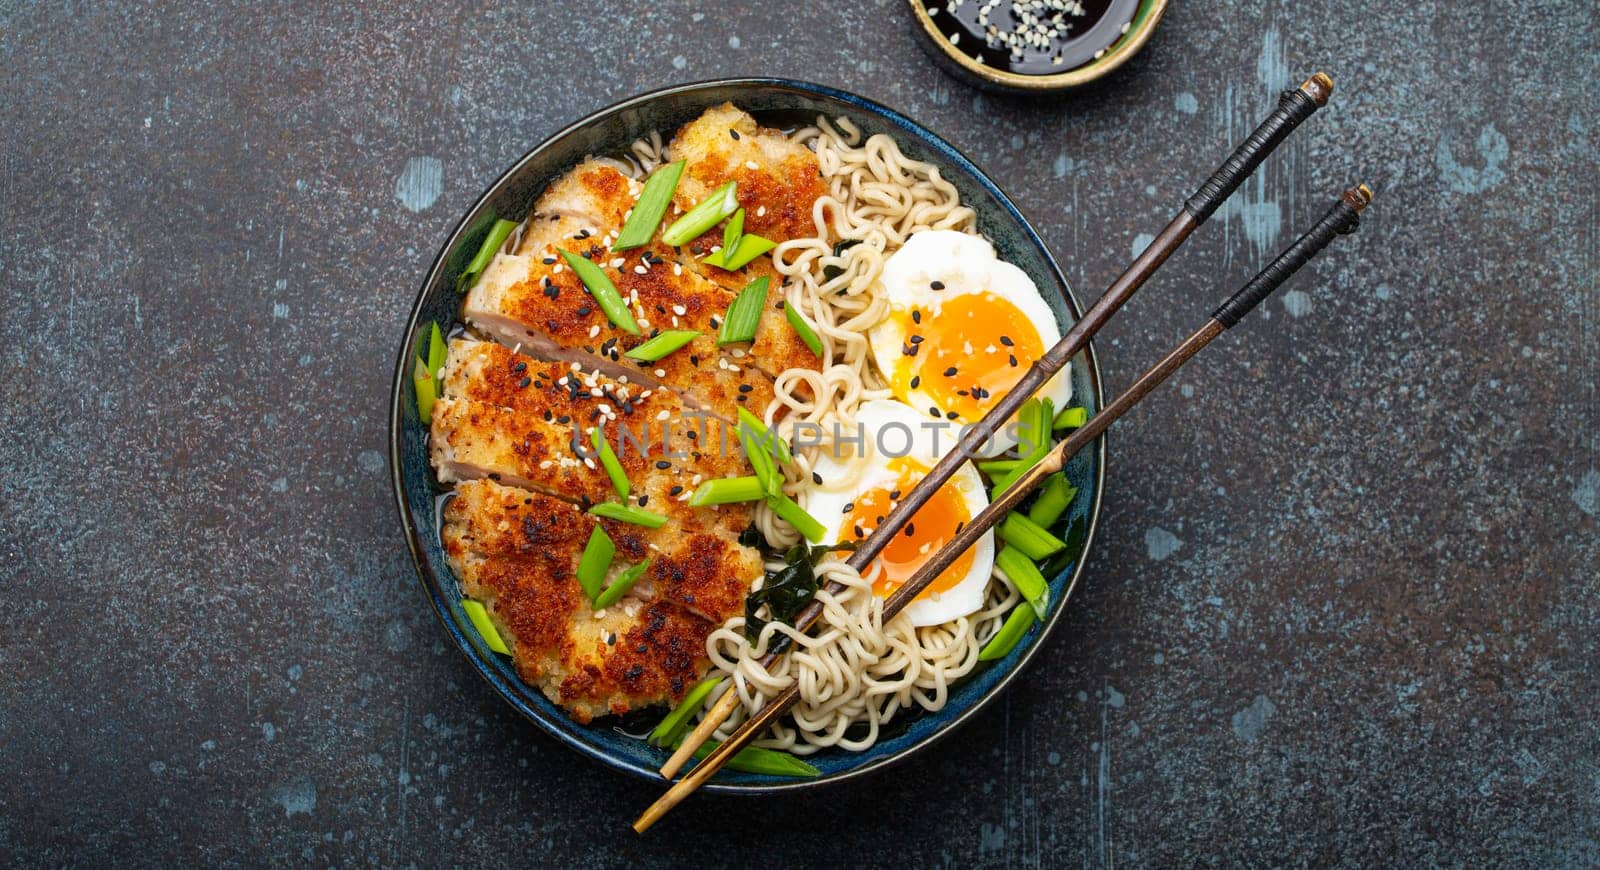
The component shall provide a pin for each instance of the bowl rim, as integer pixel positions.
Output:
(432, 584)
(1120, 52)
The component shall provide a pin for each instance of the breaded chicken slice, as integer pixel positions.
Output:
(510, 417)
(779, 180)
(517, 552)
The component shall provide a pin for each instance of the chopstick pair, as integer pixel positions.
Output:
(1294, 107)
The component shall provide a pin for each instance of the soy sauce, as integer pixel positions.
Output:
(992, 31)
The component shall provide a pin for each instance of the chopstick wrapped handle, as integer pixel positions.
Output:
(1343, 218)
(1294, 106)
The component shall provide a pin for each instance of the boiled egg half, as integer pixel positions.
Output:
(863, 479)
(963, 327)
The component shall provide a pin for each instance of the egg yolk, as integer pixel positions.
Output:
(929, 529)
(966, 355)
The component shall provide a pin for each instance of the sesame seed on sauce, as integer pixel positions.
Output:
(916, 381)
(916, 316)
(915, 339)
(1006, 340)
(911, 529)
(951, 415)
(934, 412)
(908, 350)
(950, 372)
(1012, 359)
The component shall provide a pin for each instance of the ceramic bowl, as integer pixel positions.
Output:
(774, 102)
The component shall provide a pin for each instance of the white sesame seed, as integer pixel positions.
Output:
(752, 165)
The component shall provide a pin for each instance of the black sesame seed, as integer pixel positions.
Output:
(663, 464)
(936, 285)
(848, 507)
(911, 529)
(950, 372)
(951, 415)
(675, 490)
(745, 388)
(644, 500)
(908, 350)
(916, 316)
(549, 261)
(1012, 360)
(523, 384)
(935, 412)
(520, 367)
(583, 310)
(564, 419)
(816, 478)
(916, 339)
(1006, 340)
(734, 134)
(916, 381)
(859, 533)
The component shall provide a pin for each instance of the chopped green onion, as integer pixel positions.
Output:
(1072, 418)
(480, 621)
(1053, 500)
(750, 247)
(761, 462)
(1005, 640)
(620, 586)
(803, 329)
(664, 343)
(727, 490)
(491, 244)
(625, 513)
(719, 204)
(754, 759)
(732, 233)
(670, 730)
(1035, 428)
(596, 560)
(778, 446)
(744, 315)
(604, 292)
(997, 468)
(427, 391)
(1026, 535)
(651, 207)
(437, 351)
(796, 516)
(1026, 577)
(608, 460)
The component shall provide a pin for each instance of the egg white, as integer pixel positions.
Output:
(963, 263)
(893, 430)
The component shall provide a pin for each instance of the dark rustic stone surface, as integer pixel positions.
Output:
(1344, 603)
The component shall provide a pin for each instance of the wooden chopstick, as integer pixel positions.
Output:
(1342, 218)
(1294, 107)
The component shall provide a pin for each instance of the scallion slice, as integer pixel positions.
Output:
(796, 516)
(671, 728)
(437, 351)
(1035, 418)
(1054, 499)
(760, 460)
(620, 586)
(719, 204)
(1072, 418)
(803, 329)
(664, 343)
(727, 490)
(491, 244)
(778, 446)
(604, 292)
(754, 759)
(1005, 640)
(608, 461)
(998, 468)
(1026, 577)
(744, 315)
(650, 208)
(624, 513)
(427, 390)
(1033, 540)
(750, 247)
(731, 233)
(480, 620)
(596, 560)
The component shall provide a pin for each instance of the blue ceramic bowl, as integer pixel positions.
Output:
(775, 102)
